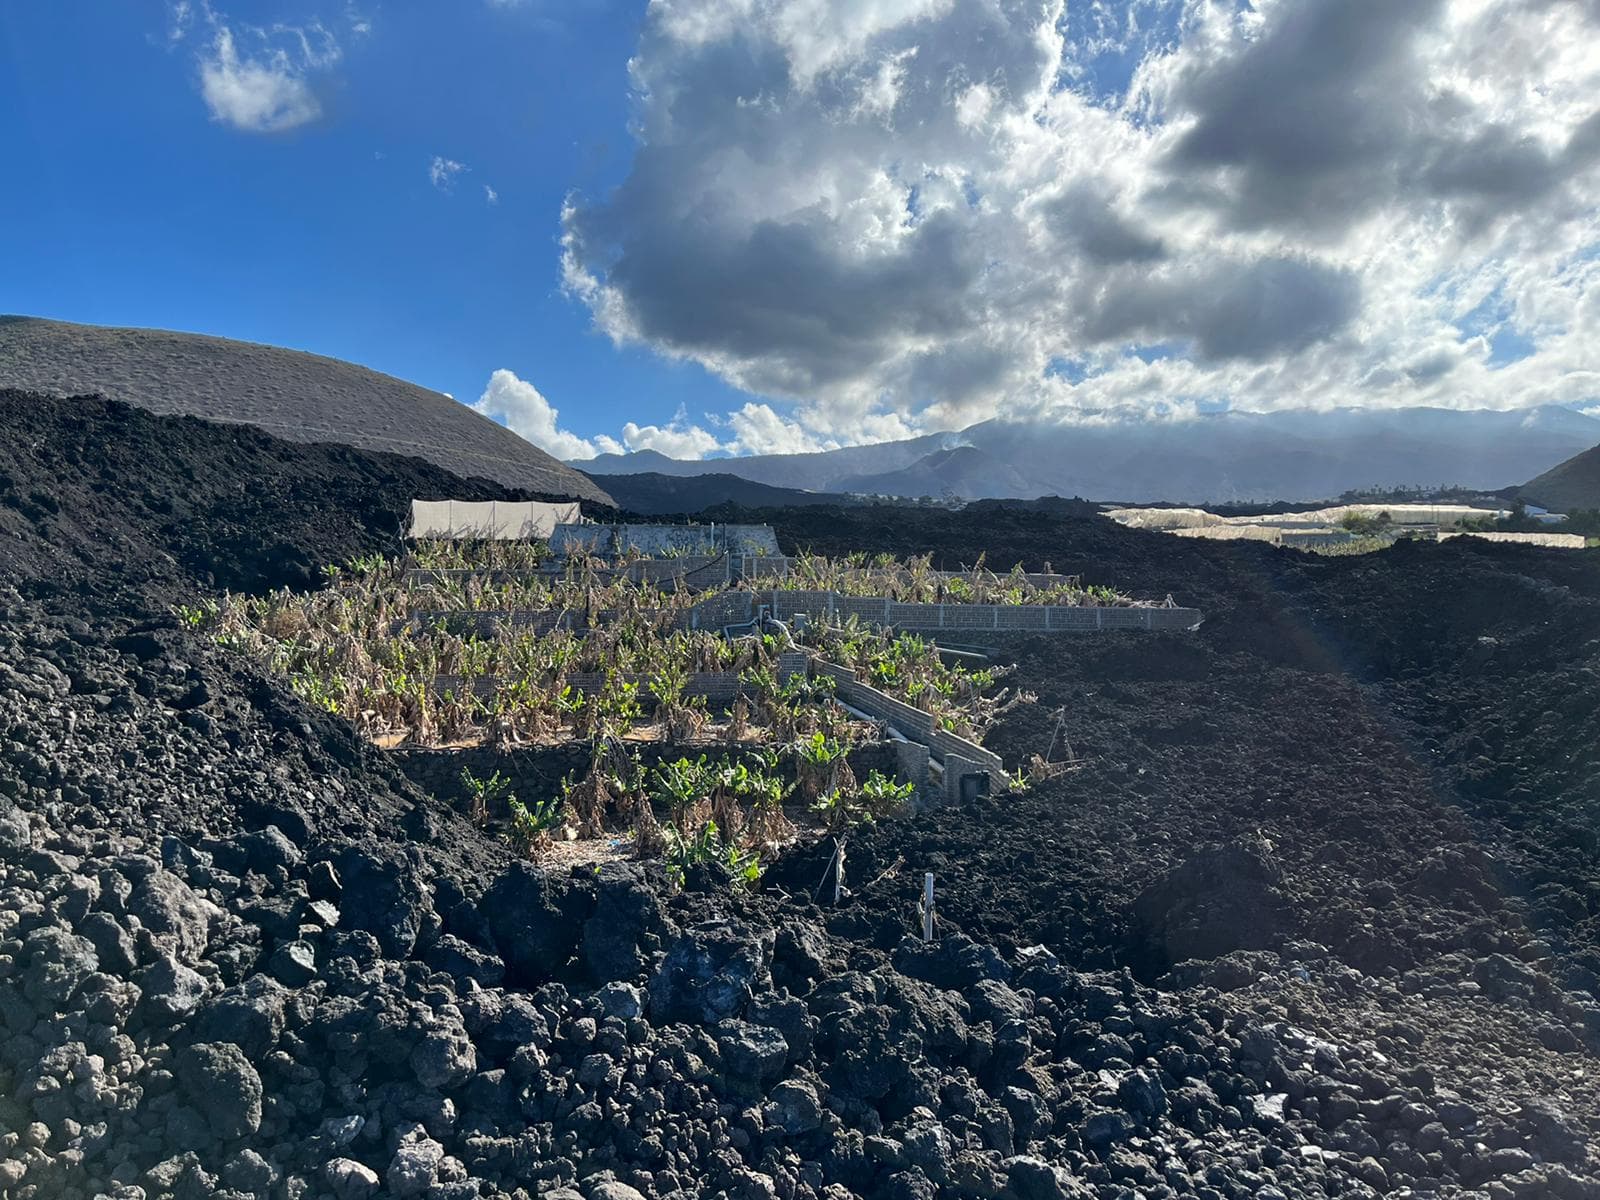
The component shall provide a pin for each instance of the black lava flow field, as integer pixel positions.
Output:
(1318, 913)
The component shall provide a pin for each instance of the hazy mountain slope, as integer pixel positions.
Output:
(297, 396)
(1289, 455)
(963, 471)
(1568, 487)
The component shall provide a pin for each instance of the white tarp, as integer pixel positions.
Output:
(501, 520)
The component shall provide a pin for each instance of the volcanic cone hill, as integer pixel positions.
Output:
(1317, 914)
(1572, 486)
(296, 396)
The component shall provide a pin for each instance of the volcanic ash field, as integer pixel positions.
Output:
(1312, 910)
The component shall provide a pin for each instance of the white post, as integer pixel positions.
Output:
(927, 907)
(838, 872)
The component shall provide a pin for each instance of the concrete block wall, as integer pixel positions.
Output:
(739, 608)
(911, 763)
(912, 722)
(717, 613)
(915, 724)
(760, 566)
(792, 663)
(947, 745)
(960, 774)
(788, 605)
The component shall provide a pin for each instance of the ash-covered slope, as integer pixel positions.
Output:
(1572, 486)
(240, 956)
(99, 498)
(297, 396)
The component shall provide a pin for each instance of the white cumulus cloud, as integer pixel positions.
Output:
(905, 215)
(678, 439)
(523, 409)
(757, 429)
(265, 93)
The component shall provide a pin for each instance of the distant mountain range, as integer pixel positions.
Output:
(1221, 457)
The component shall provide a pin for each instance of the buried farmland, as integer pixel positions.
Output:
(1353, 813)
(459, 646)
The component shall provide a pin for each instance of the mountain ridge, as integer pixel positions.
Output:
(1290, 454)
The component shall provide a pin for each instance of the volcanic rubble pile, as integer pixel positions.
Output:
(241, 955)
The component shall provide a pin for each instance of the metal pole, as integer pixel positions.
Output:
(927, 907)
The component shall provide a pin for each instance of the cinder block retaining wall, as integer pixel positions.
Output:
(739, 608)
(790, 605)
(958, 755)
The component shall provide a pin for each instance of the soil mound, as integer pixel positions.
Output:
(297, 396)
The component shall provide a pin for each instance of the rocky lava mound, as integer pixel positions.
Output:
(1315, 918)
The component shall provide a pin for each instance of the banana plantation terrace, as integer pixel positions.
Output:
(685, 690)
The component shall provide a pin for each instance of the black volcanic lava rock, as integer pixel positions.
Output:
(537, 921)
(384, 895)
(710, 973)
(222, 1084)
(1217, 901)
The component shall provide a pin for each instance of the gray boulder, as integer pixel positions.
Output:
(348, 1179)
(751, 1054)
(414, 1167)
(58, 963)
(171, 991)
(222, 1084)
(178, 920)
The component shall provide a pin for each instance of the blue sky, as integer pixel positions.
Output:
(745, 226)
(128, 203)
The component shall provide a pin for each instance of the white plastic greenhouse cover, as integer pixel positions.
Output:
(501, 520)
